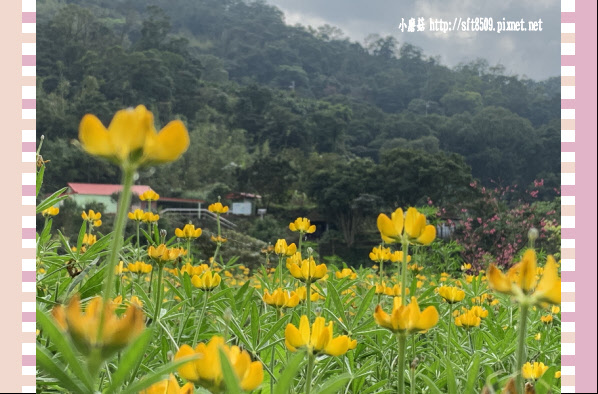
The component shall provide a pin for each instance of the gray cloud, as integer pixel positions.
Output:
(533, 54)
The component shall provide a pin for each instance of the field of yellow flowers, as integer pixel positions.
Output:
(143, 315)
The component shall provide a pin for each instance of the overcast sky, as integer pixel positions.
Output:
(533, 54)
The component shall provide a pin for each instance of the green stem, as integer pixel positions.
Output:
(117, 241)
(160, 288)
(450, 326)
(405, 248)
(272, 360)
(402, 338)
(280, 270)
(203, 311)
(308, 299)
(299, 243)
(521, 345)
(189, 250)
(137, 248)
(149, 290)
(412, 372)
(310, 370)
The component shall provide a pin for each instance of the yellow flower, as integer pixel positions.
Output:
(346, 272)
(193, 269)
(149, 195)
(547, 319)
(91, 216)
(538, 336)
(412, 225)
(189, 232)
(557, 375)
(97, 223)
(318, 340)
(555, 309)
(302, 225)
(413, 267)
(382, 288)
(52, 211)
(140, 267)
(89, 239)
(281, 248)
(397, 256)
(206, 281)
(120, 268)
(206, 370)
(465, 267)
(136, 215)
(468, 320)
(302, 294)
(451, 294)
(169, 386)
(479, 311)
(408, 318)
(521, 280)
(131, 138)
(217, 207)
(380, 254)
(218, 239)
(533, 371)
(149, 217)
(307, 271)
(281, 298)
(83, 328)
(163, 254)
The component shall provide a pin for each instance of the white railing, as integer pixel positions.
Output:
(200, 214)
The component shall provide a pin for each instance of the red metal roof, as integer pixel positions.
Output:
(100, 189)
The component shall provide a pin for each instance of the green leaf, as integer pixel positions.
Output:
(81, 235)
(275, 328)
(334, 385)
(51, 200)
(39, 180)
(255, 324)
(451, 381)
(473, 375)
(339, 306)
(129, 360)
(64, 347)
(156, 376)
(92, 286)
(230, 377)
(431, 385)
(285, 381)
(44, 362)
(544, 384)
(365, 304)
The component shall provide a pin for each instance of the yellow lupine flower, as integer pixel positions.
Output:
(136, 215)
(218, 239)
(162, 254)
(555, 309)
(132, 140)
(408, 318)
(465, 267)
(412, 224)
(547, 319)
(120, 268)
(302, 294)
(52, 211)
(150, 217)
(91, 215)
(346, 272)
(281, 298)
(521, 279)
(380, 254)
(307, 271)
(397, 256)
(468, 320)
(139, 267)
(206, 370)
(533, 371)
(206, 281)
(557, 375)
(149, 195)
(479, 311)
(538, 336)
(189, 232)
(89, 239)
(97, 223)
(169, 386)
(83, 327)
(317, 340)
(281, 248)
(451, 294)
(302, 225)
(217, 207)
